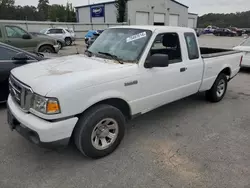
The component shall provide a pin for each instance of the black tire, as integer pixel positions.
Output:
(46, 49)
(68, 41)
(86, 125)
(212, 95)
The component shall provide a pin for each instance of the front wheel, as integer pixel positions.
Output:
(99, 131)
(46, 49)
(218, 90)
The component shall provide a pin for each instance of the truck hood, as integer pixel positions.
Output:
(79, 70)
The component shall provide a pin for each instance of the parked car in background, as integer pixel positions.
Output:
(245, 48)
(67, 35)
(198, 32)
(60, 42)
(93, 38)
(88, 98)
(18, 37)
(239, 32)
(224, 32)
(209, 29)
(12, 57)
(91, 33)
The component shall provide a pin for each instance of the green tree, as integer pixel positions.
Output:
(121, 10)
(43, 9)
(239, 19)
(71, 16)
(6, 9)
(57, 13)
(7, 3)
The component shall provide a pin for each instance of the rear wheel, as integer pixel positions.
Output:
(99, 131)
(68, 41)
(46, 49)
(218, 90)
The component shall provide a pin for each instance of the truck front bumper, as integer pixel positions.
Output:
(41, 132)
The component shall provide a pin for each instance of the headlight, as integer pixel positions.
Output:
(46, 105)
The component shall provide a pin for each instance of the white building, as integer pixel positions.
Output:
(140, 12)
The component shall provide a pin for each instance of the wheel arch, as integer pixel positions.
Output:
(227, 71)
(117, 102)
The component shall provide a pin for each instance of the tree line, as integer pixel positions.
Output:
(43, 12)
(239, 19)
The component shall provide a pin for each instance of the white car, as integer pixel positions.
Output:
(125, 73)
(245, 48)
(65, 34)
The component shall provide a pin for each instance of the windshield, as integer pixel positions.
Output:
(124, 43)
(43, 31)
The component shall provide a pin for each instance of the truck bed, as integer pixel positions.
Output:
(215, 52)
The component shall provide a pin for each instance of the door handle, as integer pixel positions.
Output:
(183, 69)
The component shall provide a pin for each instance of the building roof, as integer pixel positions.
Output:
(111, 2)
(179, 3)
(193, 13)
(107, 2)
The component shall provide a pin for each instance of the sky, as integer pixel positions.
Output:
(196, 6)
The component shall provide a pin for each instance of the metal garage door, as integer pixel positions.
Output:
(142, 18)
(173, 20)
(159, 19)
(191, 22)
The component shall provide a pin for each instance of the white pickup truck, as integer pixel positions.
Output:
(128, 71)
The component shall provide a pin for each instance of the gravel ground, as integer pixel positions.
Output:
(189, 143)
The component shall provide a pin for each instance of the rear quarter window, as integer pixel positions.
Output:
(192, 47)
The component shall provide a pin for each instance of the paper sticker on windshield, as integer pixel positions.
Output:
(136, 37)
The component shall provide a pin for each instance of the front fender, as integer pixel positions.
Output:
(92, 100)
(50, 43)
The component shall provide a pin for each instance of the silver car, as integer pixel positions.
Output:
(60, 33)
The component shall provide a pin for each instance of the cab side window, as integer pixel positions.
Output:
(14, 32)
(169, 44)
(51, 31)
(192, 47)
(1, 34)
(59, 31)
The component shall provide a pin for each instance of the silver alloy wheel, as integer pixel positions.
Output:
(47, 51)
(104, 134)
(221, 88)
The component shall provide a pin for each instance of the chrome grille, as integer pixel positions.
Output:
(21, 93)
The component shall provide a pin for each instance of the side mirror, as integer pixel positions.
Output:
(26, 36)
(20, 57)
(157, 60)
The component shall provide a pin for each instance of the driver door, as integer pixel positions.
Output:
(162, 85)
(15, 38)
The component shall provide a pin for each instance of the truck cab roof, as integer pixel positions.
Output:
(158, 28)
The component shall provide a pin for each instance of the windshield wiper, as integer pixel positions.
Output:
(112, 56)
(89, 53)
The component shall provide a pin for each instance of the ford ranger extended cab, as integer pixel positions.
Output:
(127, 71)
